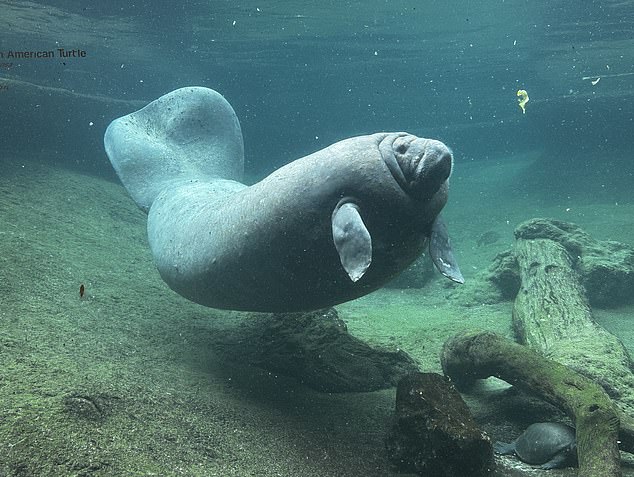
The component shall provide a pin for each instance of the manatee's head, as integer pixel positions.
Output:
(420, 166)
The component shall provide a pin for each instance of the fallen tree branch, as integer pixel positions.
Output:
(479, 355)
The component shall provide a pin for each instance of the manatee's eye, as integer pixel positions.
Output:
(401, 148)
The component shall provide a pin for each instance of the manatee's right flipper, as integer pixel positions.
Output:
(442, 253)
(504, 448)
(189, 135)
(352, 240)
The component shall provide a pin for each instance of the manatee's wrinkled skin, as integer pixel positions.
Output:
(281, 244)
(550, 445)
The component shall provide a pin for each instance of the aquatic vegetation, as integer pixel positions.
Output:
(522, 99)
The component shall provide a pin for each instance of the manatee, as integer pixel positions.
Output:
(321, 230)
(550, 445)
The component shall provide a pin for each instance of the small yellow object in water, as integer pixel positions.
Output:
(522, 99)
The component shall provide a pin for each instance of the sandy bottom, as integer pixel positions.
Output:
(134, 380)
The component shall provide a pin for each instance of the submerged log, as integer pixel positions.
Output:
(606, 267)
(552, 316)
(479, 355)
(316, 349)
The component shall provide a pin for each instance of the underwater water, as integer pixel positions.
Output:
(131, 378)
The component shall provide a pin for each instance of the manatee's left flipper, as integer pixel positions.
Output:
(352, 240)
(441, 252)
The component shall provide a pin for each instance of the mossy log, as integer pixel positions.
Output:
(552, 316)
(479, 355)
(605, 267)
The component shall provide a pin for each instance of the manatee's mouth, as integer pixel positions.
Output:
(420, 166)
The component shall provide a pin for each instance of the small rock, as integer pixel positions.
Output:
(87, 406)
(488, 238)
(504, 273)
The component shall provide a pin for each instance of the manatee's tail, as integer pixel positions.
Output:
(190, 134)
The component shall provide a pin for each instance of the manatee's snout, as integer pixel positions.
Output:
(432, 170)
(421, 166)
